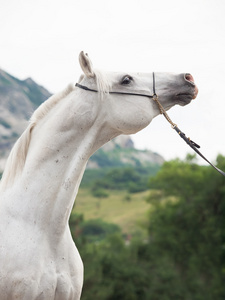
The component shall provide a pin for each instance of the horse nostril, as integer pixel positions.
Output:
(189, 78)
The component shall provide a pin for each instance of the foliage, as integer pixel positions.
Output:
(99, 193)
(116, 157)
(190, 227)
(180, 178)
(129, 211)
(117, 175)
(91, 175)
(182, 258)
(127, 178)
(104, 160)
(91, 230)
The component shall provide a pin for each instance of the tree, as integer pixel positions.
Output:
(189, 228)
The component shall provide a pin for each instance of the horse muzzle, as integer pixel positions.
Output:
(189, 78)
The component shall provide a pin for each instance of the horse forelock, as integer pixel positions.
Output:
(18, 155)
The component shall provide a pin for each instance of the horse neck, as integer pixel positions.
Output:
(56, 160)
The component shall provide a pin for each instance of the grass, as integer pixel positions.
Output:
(130, 212)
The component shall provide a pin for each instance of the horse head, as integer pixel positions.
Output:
(127, 97)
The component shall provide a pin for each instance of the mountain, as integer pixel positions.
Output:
(18, 100)
(121, 152)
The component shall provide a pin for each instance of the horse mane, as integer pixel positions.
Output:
(103, 83)
(18, 154)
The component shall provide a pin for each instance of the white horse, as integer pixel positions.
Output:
(38, 258)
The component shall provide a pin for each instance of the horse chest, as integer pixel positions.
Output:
(43, 281)
(30, 268)
(48, 286)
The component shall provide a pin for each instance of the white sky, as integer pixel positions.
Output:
(42, 39)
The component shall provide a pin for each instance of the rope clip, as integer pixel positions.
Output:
(155, 97)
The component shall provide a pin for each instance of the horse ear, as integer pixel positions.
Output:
(86, 64)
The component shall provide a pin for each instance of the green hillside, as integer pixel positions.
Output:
(129, 211)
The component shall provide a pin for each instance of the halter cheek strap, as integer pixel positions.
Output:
(118, 93)
(122, 93)
(154, 96)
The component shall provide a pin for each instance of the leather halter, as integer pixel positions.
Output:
(118, 93)
(154, 96)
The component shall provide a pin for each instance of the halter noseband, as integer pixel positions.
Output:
(154, 96)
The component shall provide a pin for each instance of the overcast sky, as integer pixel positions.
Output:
(42, 39)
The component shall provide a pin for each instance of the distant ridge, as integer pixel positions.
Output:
(121, 152)
(18, 100)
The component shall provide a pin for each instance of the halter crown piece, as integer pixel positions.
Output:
(154, 96)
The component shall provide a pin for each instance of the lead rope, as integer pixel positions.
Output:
(161, 109)
(190, 143)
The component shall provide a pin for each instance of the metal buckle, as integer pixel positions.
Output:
(155, 97)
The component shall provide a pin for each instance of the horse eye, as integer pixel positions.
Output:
(127, 79)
